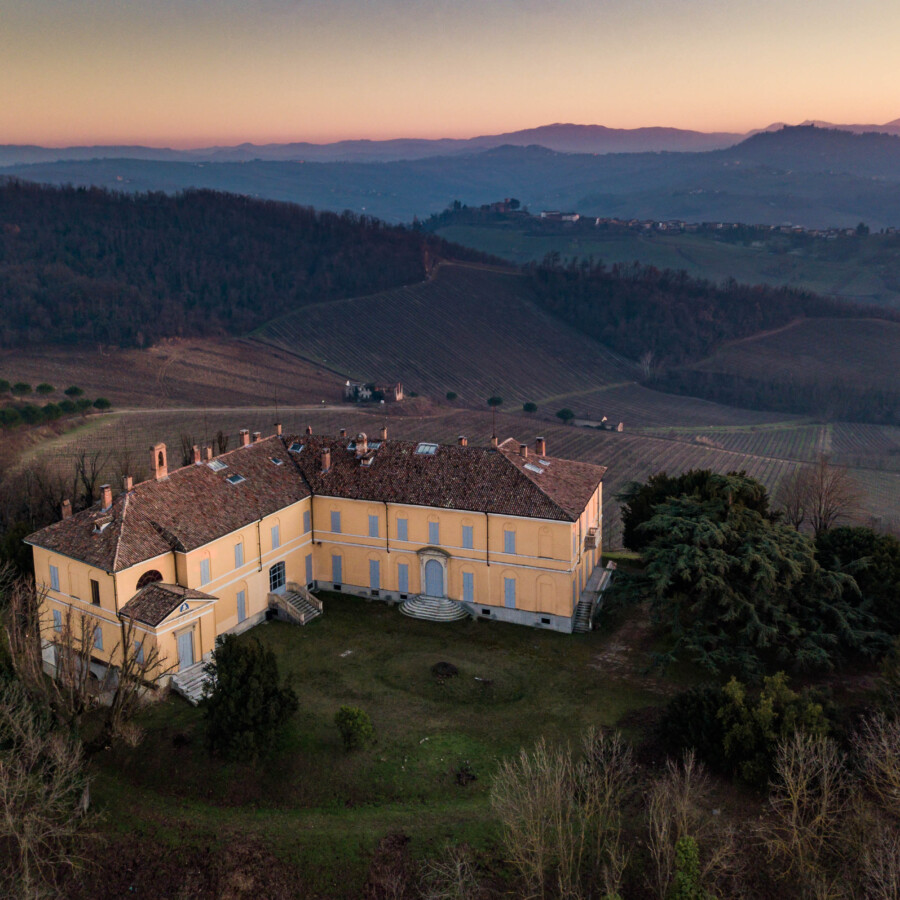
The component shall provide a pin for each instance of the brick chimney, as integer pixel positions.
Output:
(195, 454)
(326, 459)
(462, 441)
(494, 442)
(207, 453)
(158, 464)
(540, 446)
(384, 432)
(257, 437)
(245, 437)
(65, 509)
(523, 451)
(128, 484)
(309, 429)
(362, 444)
(278, 428)
(105, 496)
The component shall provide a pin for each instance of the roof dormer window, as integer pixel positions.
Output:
(426, 449)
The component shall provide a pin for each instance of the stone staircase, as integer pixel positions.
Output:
(590, 598)
(190, 682)
(433, 609)
(296, 604)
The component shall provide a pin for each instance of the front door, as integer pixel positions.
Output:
(434, 579)
(185, 650)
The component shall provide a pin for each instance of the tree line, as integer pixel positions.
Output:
(85, 265)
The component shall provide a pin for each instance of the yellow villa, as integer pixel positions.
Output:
(504, 532)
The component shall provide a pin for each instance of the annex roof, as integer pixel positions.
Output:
(191, 507)
(153, 603)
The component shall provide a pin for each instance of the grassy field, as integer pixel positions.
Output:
(864, 271)
(323, 810)
(864, 353)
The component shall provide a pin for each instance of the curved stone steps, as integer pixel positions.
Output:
(433, 609)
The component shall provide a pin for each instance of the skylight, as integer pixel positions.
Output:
(533, 468)
(296, 447)
(545, 462)
(217, 465)
(277, 461)
(425, 449)
(235, 479)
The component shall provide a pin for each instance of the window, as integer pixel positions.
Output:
(402, 529)
(533, 468)
(235, 479)
(241, 605)
(336, 521)
(204, 571)
(296, 447)
(468, 537)
(307, 521)
(545, 621)
(336, 570)
(149, 578)
(238, 554)
(277, 461)
(217, 465)
(509, 593)
(485, 612)
(276, 537)
(373, 526)
(309, 574)
(509, 542)
(57, 620)
(277, 579)
(54, 578)
(98, 638)
(468, 587)
(403, 578)
(374, 574)
(139, 652)
(95, 592)
(434, 532)
(425, 449)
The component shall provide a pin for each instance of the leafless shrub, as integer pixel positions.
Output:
(451, 877)
(187, 448)
(880, 864)
(89, 467)
(810, 806)
(43, 795)
(877, 746)
(221, 441)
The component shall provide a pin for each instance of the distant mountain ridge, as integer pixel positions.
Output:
(561, 137)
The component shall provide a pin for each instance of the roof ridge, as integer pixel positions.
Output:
(119, 531)
(507, 457)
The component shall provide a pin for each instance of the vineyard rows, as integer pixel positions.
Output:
(471, 331)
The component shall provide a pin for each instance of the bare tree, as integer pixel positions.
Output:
(221, 441)
(877, 746)
(809, 808)
(450, 877)
(831, 494)
(791, 497)
(89, 467)
(880, 863)
(140, 668)
(187, 448)
(43, 795)
(646, 362)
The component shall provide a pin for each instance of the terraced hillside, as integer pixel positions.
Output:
(864, 353)
(471, 330)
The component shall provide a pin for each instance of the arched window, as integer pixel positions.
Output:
(160, 459)
(148, 578)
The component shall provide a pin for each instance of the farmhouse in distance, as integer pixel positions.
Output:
(504, 532)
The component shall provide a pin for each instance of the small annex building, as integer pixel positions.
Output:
(506, 531)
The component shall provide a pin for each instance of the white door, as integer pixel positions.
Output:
(434, 579)
(185, 650)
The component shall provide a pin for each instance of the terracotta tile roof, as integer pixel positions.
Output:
(190, 508)
(196, 505)
(465, 478)
(152, 603)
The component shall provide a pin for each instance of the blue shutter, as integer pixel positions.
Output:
(434, 533)
(238, 555)
(307, 521)
(468, 537)
(54, 578)
(374, 575)
(309, 578)
(204, 571)
(276, 537)
(336, 522)
(139, 652)
(336, 569)
(402, 530)
(509, 593)
(469, 587)
(403, 578)
(241, 606)
(57, 620)
(509, 542)
(98, 638)
(373, 526)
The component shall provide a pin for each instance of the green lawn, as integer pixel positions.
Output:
(323, 809)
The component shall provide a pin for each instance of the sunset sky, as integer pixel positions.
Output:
(198, 72)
